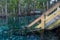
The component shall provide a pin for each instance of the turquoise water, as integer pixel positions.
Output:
(7, 29)
(5, 34)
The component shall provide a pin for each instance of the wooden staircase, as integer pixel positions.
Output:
(45, 18)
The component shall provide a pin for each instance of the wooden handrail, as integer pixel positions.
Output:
(45, 13)
(52, 8)
(35, 21)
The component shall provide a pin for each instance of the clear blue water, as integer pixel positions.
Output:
(7, 34)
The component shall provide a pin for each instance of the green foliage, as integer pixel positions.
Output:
(13, 4)
(25, 4)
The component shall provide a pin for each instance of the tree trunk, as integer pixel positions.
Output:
(43, 6)
(47, 5)
(19, 8)
(2, 11)
(6, 8)
(14, 11)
